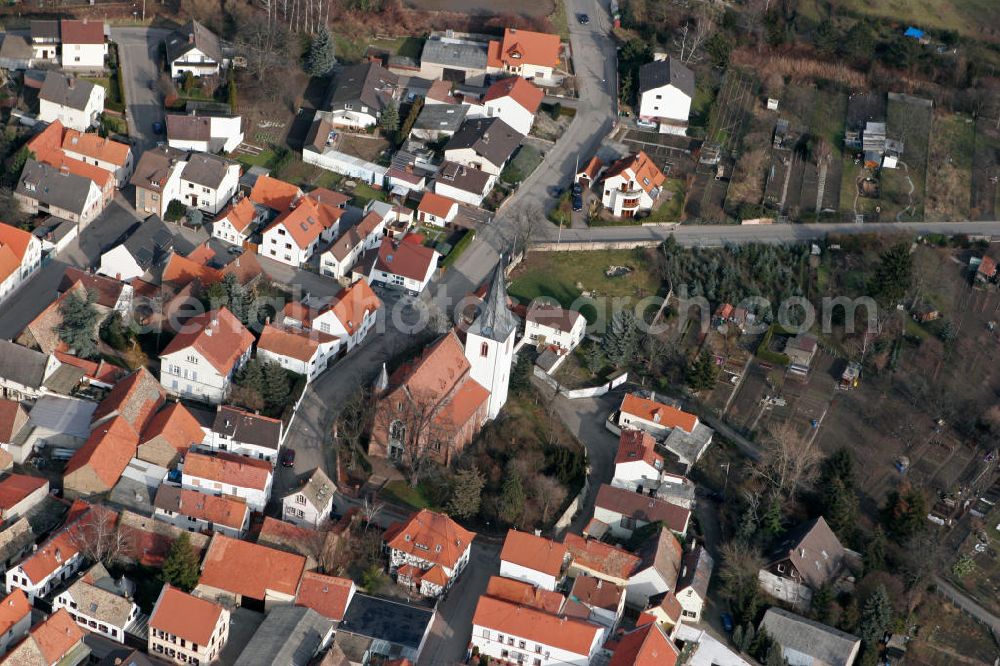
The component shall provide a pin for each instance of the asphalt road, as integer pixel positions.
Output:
(139, 52)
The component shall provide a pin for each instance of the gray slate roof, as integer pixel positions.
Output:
(15, 47)
(469, 179)
(151, 241)
(464, 55)
(191, 36)
(22, 365)
(369, 84)
(813, 549)
(290, 635)
(441, 117)
(490, 138)
(666, 72)
(45, 30)
(53, 187)
(155, 166)
(206, 170)
(696, 571)
(318, 489)
(100, 604)
(386, 620)
(248, 428)
(495, 320)
(66, 91)
(826, 645)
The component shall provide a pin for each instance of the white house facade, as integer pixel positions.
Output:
(188, 373)
(208, 186)
(551, 325)
(228, 474)
(24, 252)
(98, 610)
(79, 118)
(46, 569)
(513, 633)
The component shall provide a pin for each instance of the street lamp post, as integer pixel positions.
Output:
(725, 485)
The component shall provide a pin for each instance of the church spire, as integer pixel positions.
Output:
(495, 320)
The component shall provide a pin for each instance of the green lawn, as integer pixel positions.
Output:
(363, 193)
(964, 16)
(526, 161)
(400, 492)
(559, 19)
(409, 47)
(102, 81)
(912, 124)
(670, 211)
(564, 276)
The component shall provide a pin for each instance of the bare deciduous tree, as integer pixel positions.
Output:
(524, 227)
(789, 461)
(98, 536)
(354, 420)
(693, 34)
(549, 493)
(370, 509)
(408, 421)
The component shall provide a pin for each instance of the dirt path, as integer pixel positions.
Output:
(909, 195)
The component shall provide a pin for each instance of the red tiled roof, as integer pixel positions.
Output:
(185, 615)
(81, 32)
(16, 487)
(48, 139)
(521, 593)
(96, 147)
(352, 304)
(601, 557)
(657, 412)
(56, 636)
(465, 402)
(436, 370)
(636, 445)
(645, 646)
(176, 425)
(533, 552)
(329, 197)
(225, 510)
(137, 397)
(987, 267)
(327, 595)
(217, 335)
(230, 468)
(537, 626)
(405, 259)
(250, 569)
(638, 168)
(12, 417)
(179, 271)
(47, 559)
(13, 608)
(106, 452)
(436, 205)
(525, 93)
(240, 214)
(292, 342)
(431, 536)
(643, 508)
(593, 168)
(274, 193)
(524, 47)
(307, 221)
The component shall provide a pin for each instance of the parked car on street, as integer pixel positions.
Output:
(288, 458)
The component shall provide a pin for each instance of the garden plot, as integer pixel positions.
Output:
(908, 119)
(986, 170)
(949, 170)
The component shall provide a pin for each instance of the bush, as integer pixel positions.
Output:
(176, 211)
(555, 111)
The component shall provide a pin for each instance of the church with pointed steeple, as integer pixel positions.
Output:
(440, 400)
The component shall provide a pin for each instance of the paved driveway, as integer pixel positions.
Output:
(139, 53)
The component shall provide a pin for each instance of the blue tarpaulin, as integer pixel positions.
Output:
(915, 33)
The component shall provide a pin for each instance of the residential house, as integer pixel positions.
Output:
(288, 635)
(532, 559)
(111, 156)
(384, 630)
(509, 632)
(55, 421)
(631, 186)
(637, 465)
(99, 604)
(13, 419)
(647, 644)
(20, 257)
(692, 584)
(56, 640)
(24, 372)
(16, 53)
(45, 41)
(201, 360)
(274, 194)
(440, 376)
(514, 101)
(525, 594)
(297, 234)
(484, 143)
(196, 511)
(657, 573)
(351, 316)
(152, 539)
(359, 95)
(15, 619)
(170, 433)
(663, 609)
(452, 59)
(83, 44)
(223, 473)
(802, 561)
(590, 173)
(237, 222)
(531, 55)
(196, 49)
(805, 642)
(597, 601)
(304, 352)
(145, 247)
(104, 180)
(436, 209)
(682, 433)
(248, 574)
(312, 502)
(404, 264)
(327, 595)
(17, 540)
(19, 492)
(136, 489)
(666, 88)
(245, 433)
(47, 568)
(55, 190)
(463, 183)
(592, 557)
(157, 180)
(344, 252)
(549, 325)
(204, 134)
(800, 351)
(74, 102)
(186, 629)
(208, 182)
(623, 511)
(428, 552)
(439, 120)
